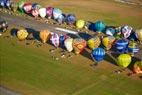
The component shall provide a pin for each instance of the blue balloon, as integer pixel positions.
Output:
(56, 13)
(61, 18)
(133, 36)
(2, 3)
(61, 40)
(121, 45)
(98, 54)
(100, 26)
(70, 19)
(91, 26)
(110, 31)
(5, 3)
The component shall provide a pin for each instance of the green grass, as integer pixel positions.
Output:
(32, 71)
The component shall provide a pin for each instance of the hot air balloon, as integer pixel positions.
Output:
(20, 6)
(5, 3)
(121, 45)
(56, 13)
(124, 60)
(35, 13)
(100, 26)
(70, 19)
(22, 34)
(98, 54)
(44, 35)
(55, 39)
(49, 12)
(62, 39)
(68, 44)
(133, 48)
(36, 6)
(133, 36)
(126, 31)
(137, 68)
(2, 3)
(108, 42)
(110, 31)
(139, 34)
(27, 7)
(79, 45)
(14, 6)
(61, 18)
(42, 12)
(8, 4)
(94, 42)
(80, 23)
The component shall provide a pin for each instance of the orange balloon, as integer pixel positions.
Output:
(44, 35)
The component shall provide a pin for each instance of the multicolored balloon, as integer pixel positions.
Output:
(121, 45)
(70, 19)
(44, 35)
(133, 48)
(100, 26)
(110, 31)
(124, 60)
(137, 68)
(61, 18)
(22, 34)
(56, 13)
(49, 12)
(55, 39)
(98, 54)
(108, 42)
(36, 6)
(62, 40)
(42, 12)
(35, 13)
(139, 34)
(68, 44)
(94, 42)
(80, 23)
(27, 7)
(126, 31)
(79, 45)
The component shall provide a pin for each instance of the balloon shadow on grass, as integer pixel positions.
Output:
(86, 54)
(85, 36)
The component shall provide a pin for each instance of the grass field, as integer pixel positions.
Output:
(32, 70)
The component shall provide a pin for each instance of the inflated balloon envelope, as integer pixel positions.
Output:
(35, 13)
(44, 35)
(14, 6)
(124, 60)
(27, 7)
(22, 34)
(80, 23)
(137, 68)
(68, 44)
(78, 45)
(42, 12)
(139, 34)
(55, 39)
(108, 42)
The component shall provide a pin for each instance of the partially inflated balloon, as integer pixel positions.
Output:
(124, 60)
(80, 23)
(68, 44)
(22, 34)
(44, 35)
(49, 12)
(108, 42)
(100, 26)
(110, 31)
(94, 42)
(14, 6)
(42, 12)
(62, 40)
(35, 12)
(36, 6)
(27, 7)
(121, 45)
(126, 31)
(61, 18)
(79, 45)
(56, 13)
(20, 6)
(55, 39)
(139, 34)
(98, 54)
(137, 68)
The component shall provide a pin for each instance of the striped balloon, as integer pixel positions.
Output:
(55, 39)
(124, 60)
(100, 26)
(132, 48)
(98, 54)
(121, 45)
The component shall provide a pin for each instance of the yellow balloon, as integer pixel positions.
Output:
(80, 23)
(44, 35)
(22, 34)
(139, 34)
(108, 42)
(94, 42)
(124, 60)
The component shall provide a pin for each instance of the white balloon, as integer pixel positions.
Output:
(68, 44)
(42, 12)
